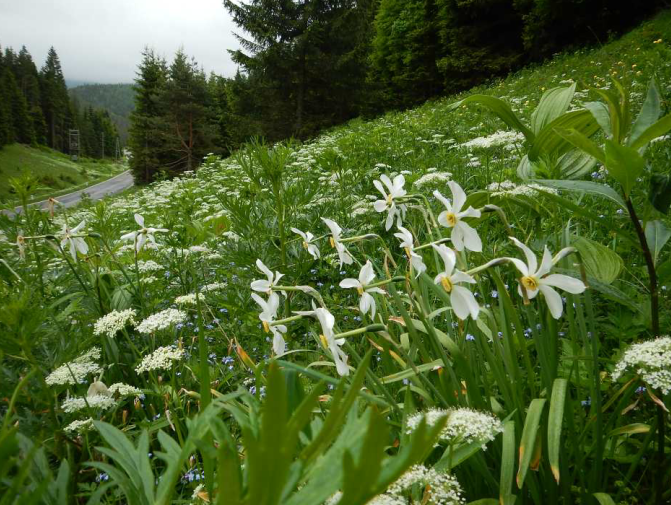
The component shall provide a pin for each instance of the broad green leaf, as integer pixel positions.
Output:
(549, 142)
(582, 142)
(524, 169)
(507, 460)
(615, 112)
(575, 164)
(658, 129)
(553, 104)
(600, 262)
(500, 108)
(630, 429)
(602, 115)
(656, 235)
(660, 192)
(649, 113)
(555, 419)
(589, 187)
(529, 438)
(454, 457)
(484, 501)
(604, 499)
(624, 164)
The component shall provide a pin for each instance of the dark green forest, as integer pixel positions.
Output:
(116, 99)
(36, 109)
(304, 66)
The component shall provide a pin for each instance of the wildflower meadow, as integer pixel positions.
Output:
(463, 303)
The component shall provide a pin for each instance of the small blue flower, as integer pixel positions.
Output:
(470, 337)
(495, 294)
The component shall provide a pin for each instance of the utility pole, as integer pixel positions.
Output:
(103, 145)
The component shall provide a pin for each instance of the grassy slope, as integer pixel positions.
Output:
(57, 173)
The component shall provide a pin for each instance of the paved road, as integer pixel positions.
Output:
(109, 187)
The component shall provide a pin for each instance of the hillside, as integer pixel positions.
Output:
(56, 172)
(389, 313)
(117, 99)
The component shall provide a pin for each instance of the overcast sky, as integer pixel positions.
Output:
(101, 40)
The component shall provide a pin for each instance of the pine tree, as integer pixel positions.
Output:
(146, 138)
(6, 120)
(55, 101)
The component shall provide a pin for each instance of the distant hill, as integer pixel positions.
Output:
(117, 99)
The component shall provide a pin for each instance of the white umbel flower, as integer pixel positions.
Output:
(124, 389)
(80, 426)
(75, 372)
(650, 360)
(343, 254)
(77, 403)
(189, 299)
(308, 242)
(366, 276)
(463, 235)
(408, 245)
(73, 242)
(439, 488)
(464, 426)
(389, 205)
(112, 323)
(161, 321)
(463, 301)
(535, 279)
(144, 234)
(161, 359)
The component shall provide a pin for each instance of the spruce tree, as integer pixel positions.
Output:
(21, 121)
(55, 101)
(185, 101)
(27, 78)
(146, 134)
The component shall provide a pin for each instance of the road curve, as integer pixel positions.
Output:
(109, 187)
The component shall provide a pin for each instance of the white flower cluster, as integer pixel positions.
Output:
(80, 426)
(651, 360)
(433, 178)
(99, 401)
(509, 139)
(443, 489)
(438, 489)
(75, 372)
(124, 389)
(463, 425)
(507, 188)
(215, 286)
(112, 323)
(189, 299)
(161, 359)
(145, 267)
(161, 320)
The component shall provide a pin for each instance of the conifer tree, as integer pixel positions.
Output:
(22, 124)
(146, 134)
(27, 78)
(55, 101)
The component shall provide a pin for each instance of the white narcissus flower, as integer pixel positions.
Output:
(308, 239)
(366, 276)
(463, 235)
(463, 301)
(327, 322)
(388, 205)
(535, 279)
(343, 254)
(266, 286)
(408, 244)
(74, 243)
(267, 316)
(143, 234)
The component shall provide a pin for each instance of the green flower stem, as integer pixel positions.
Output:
(436, 242)
(359, 331)
(398, 278)
(286, 320)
